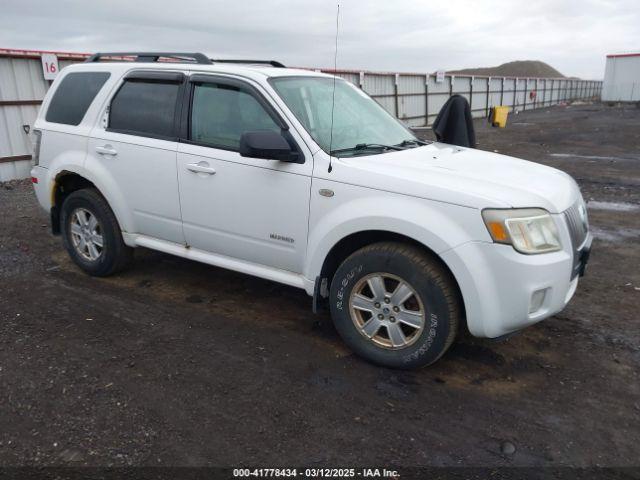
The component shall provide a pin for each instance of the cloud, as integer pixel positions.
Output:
(403, 35)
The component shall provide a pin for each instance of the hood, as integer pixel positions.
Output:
(462, 176)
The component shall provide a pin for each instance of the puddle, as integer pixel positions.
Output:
(613, 206)
(588, 157)
(618, 235)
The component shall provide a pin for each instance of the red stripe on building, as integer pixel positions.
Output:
(619, 55)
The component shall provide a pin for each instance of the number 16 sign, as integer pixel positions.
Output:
(49, 66)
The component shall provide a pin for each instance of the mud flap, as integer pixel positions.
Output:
(55, 220)
(320, 293)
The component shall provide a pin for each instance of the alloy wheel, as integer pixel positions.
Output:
(387, 310)
(86, 234)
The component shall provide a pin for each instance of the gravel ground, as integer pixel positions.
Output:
(179, 363)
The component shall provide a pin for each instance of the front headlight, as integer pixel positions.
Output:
(529, 230)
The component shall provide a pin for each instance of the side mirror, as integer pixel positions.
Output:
(268, 145)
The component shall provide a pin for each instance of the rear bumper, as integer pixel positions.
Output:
(505, 291)
(43, 187)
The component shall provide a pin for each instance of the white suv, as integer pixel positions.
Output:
(301, 178)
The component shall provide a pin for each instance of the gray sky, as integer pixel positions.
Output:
(402, 35)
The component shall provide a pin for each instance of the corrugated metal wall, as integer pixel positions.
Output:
(414, 98)
(22, 88)
(622, 78)
(417, 98)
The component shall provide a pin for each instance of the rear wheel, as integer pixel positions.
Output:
(91, 234)
(395, 305)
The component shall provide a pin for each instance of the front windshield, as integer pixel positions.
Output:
(358, 120)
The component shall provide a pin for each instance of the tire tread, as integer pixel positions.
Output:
(432, 267)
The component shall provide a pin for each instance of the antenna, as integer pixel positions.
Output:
(333, 95)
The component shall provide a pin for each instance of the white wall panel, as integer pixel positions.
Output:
(622, 79)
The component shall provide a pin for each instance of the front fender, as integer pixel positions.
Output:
(436, 225)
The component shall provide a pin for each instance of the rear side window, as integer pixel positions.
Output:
(145, 108)
(74, 95)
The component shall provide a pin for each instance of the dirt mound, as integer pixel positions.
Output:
(519, 68)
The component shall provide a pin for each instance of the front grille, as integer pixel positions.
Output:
(578, 224)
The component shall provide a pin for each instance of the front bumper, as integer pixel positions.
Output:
(505, 291)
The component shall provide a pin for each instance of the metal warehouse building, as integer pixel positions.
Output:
(415, 98)
(622, 78)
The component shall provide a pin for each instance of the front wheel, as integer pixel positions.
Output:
(395, 305)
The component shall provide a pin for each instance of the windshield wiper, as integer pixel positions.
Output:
(406, 143)
(367, 146)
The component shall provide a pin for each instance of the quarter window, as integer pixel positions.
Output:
(145, 108)
(222, 113)
(73, 96)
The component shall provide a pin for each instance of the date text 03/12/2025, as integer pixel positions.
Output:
(315, 473)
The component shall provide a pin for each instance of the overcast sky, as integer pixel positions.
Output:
(417, 36)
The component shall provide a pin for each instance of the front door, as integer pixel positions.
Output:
(246, 208)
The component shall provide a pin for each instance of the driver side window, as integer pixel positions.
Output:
(222, 113)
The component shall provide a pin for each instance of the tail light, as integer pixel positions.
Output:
(37, 135)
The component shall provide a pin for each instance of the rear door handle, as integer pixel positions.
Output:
(201, 167)
(106, 150)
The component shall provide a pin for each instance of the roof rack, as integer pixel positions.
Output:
(273, 63)
(195, 57)
(154, 57)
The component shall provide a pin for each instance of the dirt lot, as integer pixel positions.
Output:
(178, 363)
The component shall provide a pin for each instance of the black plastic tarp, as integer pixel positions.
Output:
(454, 125)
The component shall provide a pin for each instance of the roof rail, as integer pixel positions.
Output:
(154, 56)
(273, 63)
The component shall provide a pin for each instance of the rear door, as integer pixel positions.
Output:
(246, 208)
(134, 147)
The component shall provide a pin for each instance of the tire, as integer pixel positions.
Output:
(76, 225)
(428, 319)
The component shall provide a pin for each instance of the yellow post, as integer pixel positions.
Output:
(499, 118)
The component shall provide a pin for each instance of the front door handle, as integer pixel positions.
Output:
(106, 150)
(201, 167)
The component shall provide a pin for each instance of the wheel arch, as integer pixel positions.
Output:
(357, 240)
(69, 180)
